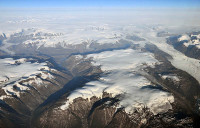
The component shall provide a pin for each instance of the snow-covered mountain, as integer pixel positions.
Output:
(24, 84)
(41, 37)
(18, 76)
(106, 70)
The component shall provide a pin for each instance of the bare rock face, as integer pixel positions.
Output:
(86, 114)
(81, 66)
(99, 113)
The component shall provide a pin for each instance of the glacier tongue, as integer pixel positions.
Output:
(179, 60)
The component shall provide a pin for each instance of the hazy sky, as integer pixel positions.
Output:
(101, 3)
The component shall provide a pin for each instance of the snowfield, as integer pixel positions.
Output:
(124, 80)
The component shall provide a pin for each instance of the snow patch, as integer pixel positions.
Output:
(184, 37)
(64, 106)
(171, 76)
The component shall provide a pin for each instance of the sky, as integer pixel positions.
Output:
(100, 3)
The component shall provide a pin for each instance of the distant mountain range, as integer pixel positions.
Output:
(100, 77)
